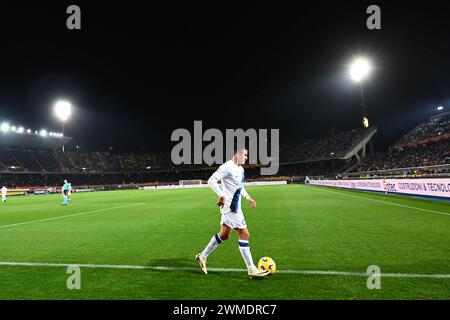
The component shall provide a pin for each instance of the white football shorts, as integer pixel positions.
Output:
(233, 220)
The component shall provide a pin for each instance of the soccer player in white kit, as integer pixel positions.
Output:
(231, 173)
(4, 191)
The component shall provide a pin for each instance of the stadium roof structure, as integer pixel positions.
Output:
(27, 140)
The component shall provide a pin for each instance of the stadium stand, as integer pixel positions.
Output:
(423, 151)
(338, 146)
(422, 159)
(39, 165)
(38, 160)
(434, 129)
(335, 155)
(435, 153)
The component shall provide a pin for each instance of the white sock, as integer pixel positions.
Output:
(212, 245)
(244, 247)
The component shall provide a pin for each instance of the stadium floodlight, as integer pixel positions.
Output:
(4, 127)
(28, 130)
(63, 110)
(43, 133)
(13, 128)
(360, 69)
(20, 130)
(440, 108)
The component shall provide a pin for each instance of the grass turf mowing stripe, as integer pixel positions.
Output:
(387, 202)
(68, 215)
(161, 268)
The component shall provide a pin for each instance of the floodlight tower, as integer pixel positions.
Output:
(63, 110)
(359, 70)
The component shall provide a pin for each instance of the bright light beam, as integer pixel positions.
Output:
(63, 110)
(360, 69)
(4, 127)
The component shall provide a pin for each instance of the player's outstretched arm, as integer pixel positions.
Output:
(245, 194)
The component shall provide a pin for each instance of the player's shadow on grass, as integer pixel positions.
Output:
(184, 265)
(189, 266)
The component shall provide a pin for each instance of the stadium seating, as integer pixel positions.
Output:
(436, 128)
(326, 148)
(314, 157)
(431, 154)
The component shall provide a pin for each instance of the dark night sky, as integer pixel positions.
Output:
(135, 73)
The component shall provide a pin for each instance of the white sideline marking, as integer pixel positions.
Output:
(160, 268)
(68, 215)
(387, 202)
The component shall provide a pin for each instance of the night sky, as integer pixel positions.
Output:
(136, 72)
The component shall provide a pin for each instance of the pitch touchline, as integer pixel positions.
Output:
(387, 202)
(160, 268)
(68, 215)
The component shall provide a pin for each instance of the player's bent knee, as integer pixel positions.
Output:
(225, 236)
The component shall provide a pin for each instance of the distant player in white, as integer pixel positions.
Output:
(231, 173)
(4, 192)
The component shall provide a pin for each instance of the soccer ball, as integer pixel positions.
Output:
(267, 263)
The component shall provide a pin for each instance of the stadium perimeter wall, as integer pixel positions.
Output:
(438, 188)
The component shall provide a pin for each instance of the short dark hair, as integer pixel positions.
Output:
(237, 149)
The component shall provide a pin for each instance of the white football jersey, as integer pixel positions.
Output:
(232, 177)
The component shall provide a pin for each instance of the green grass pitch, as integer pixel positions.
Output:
(301, 227)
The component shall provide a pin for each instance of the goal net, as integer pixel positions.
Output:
(186, 183)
